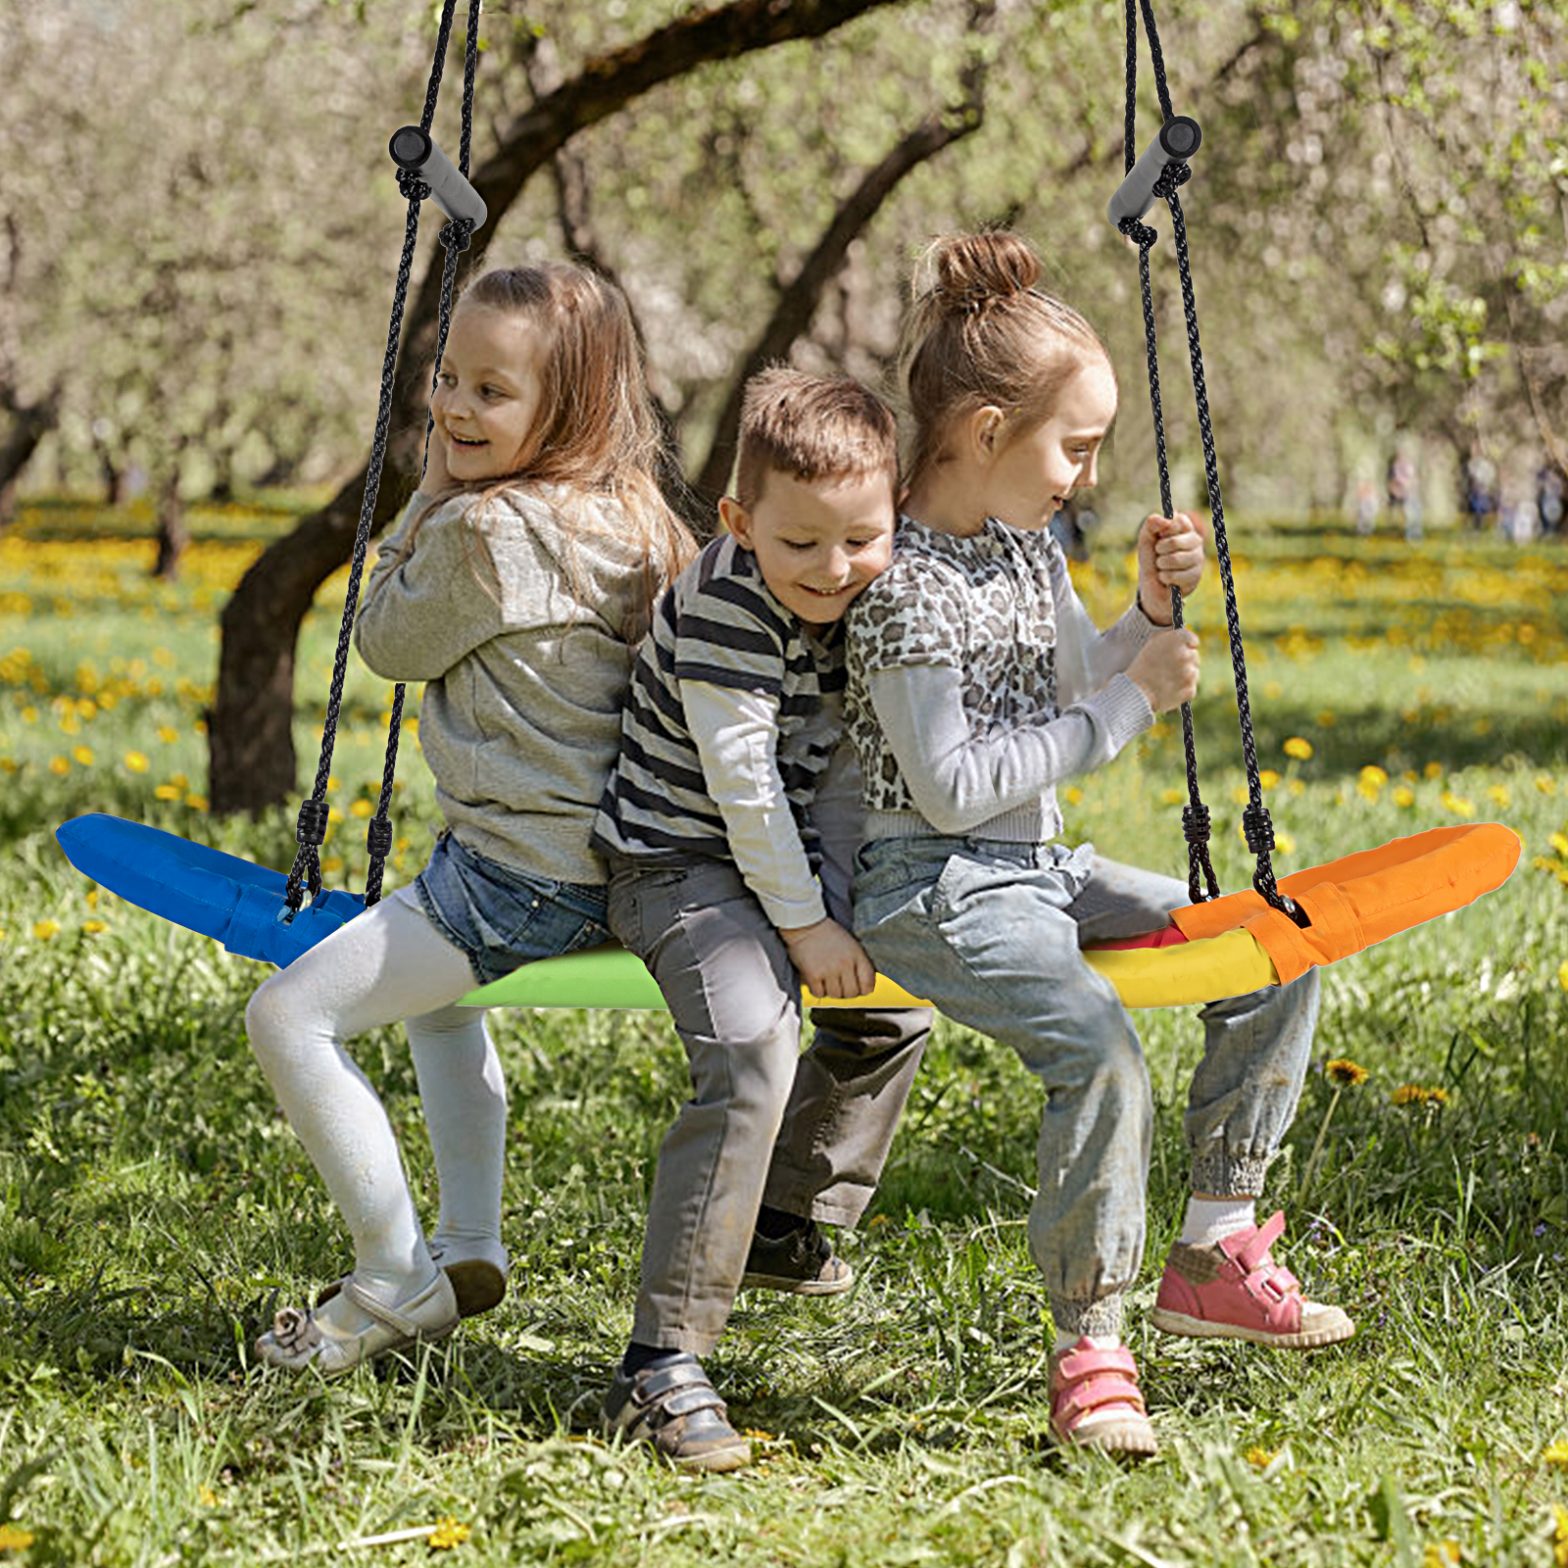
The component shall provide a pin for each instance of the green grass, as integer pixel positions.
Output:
(154, 1207)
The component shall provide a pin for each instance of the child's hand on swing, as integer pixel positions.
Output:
(830, 961)
(1170, 555)
(436, 478)
(1166, 669)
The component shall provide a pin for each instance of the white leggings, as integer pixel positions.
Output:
(389, 963)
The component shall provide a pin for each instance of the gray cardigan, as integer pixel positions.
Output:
(521, 717)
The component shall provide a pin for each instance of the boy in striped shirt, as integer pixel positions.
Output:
(729, 825)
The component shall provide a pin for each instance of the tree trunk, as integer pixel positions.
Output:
(173, 534)
(250, 742)
(30, 425)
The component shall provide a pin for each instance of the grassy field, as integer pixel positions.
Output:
(154, 1207)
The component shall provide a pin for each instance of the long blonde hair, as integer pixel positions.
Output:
(597, 434)
(979, 331)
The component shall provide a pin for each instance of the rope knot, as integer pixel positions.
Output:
(1139, 233)
(412, 187)
(458, 234)
(311, 827)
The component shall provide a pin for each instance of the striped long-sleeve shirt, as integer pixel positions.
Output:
(718, 625)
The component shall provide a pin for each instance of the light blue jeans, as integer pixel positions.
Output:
(990, 932)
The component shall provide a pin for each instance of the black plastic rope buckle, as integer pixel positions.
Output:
(311, 826)
(378, 837)
(1195, 824)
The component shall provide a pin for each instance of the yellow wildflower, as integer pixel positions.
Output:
(1261, 1458)
(1562, 976)
(1560, 1541)
(1404, 796)
(29, 714)
(1173, 797)
(1433, 770)
(1556, 1454)
(196, 802)
(60, 766)
(84, 755)
(1072, 795)
(365, 808)
(93, 927)
(1546, 784)
(1345, 1073)
(168, 734)
(1284, 843)
(135, 761)
(1440, 1554)
(447, 1534)
(1268, 778)
(1499, 796)
(206, 1496)
(13, 1538)
(1458, 804)
(1419, 1094)
(1298, 748)
(46, 930)
(167, 792)
(1373, 776)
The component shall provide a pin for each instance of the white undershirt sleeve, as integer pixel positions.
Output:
(736, 735)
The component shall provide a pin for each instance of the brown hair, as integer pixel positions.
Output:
(980, 332)
(812, 427)
(597, 433)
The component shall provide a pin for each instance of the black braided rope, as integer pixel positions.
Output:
(311, 826)
(1195, 818)
(455, 237)
(1202, 884)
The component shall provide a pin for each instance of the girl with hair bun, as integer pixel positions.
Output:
(977, 684)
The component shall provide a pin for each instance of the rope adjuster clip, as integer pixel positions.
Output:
(1177, 141)
(414, 151)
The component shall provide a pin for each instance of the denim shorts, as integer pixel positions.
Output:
(500, 918)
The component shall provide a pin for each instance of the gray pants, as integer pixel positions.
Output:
(990, 932)
(804, 1133)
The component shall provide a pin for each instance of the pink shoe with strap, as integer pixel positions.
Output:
(1235, 1290)
(1095, 1402)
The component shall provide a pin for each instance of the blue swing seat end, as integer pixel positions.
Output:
(217, 895)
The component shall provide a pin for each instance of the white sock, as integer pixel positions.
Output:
(1210, 1220)
(386, 964)
(1099, 1341)
(464, 1097)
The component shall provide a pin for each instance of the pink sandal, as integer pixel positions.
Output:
(1095, 1402)
(1235, 1290)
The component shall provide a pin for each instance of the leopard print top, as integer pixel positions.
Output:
(984, 603)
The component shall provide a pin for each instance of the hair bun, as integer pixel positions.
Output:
(966, 272)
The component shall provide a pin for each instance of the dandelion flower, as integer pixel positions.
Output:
(13, 1538)
(1404, 796)
(60, 766)
(1499, 795)
(1440, 1554)
(1072, 795)
(1560, 1543)
(135, 761)
(46, 930)
(447, 1534)
(83, 755)
(1556, 1454)
(1298, 748)
(168, 734)
(364, 808)
(1458, 804)
(1419, 1094)
(1346, 1073)
(1261, 1458)
(1268, 778)
(206, 1496)
(1173, 797)
(93, 927)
